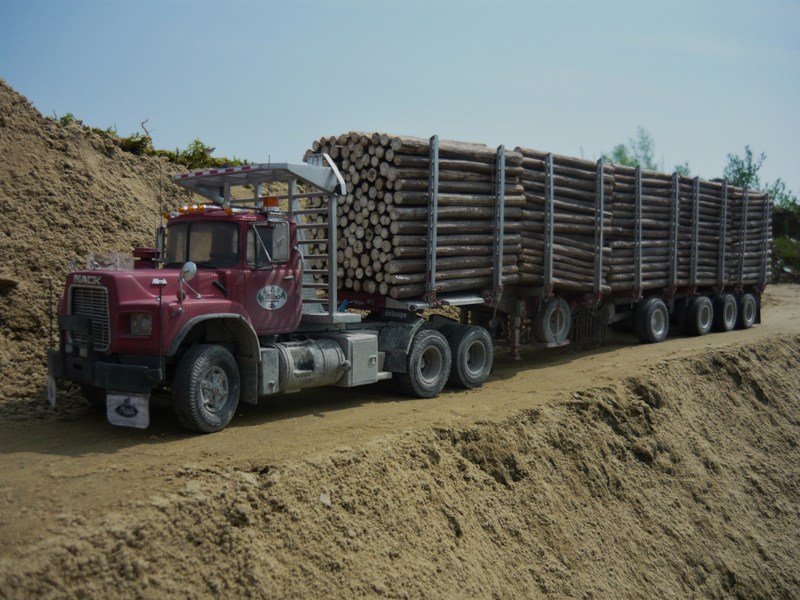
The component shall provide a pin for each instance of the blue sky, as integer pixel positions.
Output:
(264, 79)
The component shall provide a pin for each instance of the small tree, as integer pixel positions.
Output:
(744, 172)
(640, 151)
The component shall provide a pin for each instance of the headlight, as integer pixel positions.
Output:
(141, 324)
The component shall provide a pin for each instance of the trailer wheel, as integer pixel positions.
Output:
(726, 312)
(473, 353)
(428, 365)
(552, 323)
(748, 308)
(700, 316)
(651, 321)
(205, 391)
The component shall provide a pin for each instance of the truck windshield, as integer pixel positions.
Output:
(208, 244)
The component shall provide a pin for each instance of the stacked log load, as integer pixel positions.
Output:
(750, 237)
(575, 183)
(382, 222)
(656, 213)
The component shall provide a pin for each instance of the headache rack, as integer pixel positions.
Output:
(320, 179)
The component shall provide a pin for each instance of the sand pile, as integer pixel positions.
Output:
(64, 191)
(672, 484)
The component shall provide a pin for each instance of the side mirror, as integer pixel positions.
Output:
(188, 271)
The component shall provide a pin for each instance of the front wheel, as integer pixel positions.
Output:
(428, 365)
(205, 391)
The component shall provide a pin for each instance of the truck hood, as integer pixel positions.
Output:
(145, 283)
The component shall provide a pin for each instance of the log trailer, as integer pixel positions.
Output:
(229, 306)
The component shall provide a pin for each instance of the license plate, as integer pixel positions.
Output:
(128, 410)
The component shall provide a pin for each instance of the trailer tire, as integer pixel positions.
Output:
(428, 365)
(700, 315)
(552, 323)
(748, 309)
(726, 312)
(472, 356)
(651, 321)
(205, 391)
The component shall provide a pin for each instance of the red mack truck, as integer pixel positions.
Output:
(229, 308)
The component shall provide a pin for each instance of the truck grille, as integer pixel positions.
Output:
(92, 302)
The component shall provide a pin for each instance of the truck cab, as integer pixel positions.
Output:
(240, 302)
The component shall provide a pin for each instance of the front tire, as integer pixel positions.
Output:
(473, 353)
(205, 391)
(651, 321)
(428, 365)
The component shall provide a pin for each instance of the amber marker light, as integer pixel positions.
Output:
(270, 202)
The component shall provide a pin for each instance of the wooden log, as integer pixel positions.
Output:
(456, 239)
(446, 187)
(451, 212)
(454, 262)
(421, 199)
(460, 250)
(447, 227)
(453, 285)
(441, 276)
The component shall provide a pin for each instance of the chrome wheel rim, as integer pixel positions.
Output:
(475, 359)
(214, 389)
(658, 323)
(430, 365)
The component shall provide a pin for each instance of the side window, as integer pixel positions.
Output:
(267, 244)
(264, 246)
(280, 243)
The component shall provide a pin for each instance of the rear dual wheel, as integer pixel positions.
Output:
(726, 312)
(700, 315)
(428, 365)
(473, 353)
(748, 310)
(651, 321)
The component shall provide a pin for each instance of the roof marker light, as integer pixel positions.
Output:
(270, 202)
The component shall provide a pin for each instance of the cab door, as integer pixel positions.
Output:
(272, 278)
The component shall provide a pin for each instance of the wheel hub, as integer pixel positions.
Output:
(214, 389)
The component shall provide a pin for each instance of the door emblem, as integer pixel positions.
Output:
(272, 297)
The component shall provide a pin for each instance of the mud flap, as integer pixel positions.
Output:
(128, 410)
(51, 391)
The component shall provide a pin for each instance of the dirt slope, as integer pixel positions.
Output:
(64, 191)
(627, 471)
(678, 482)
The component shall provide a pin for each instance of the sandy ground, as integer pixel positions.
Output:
(70, 484)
